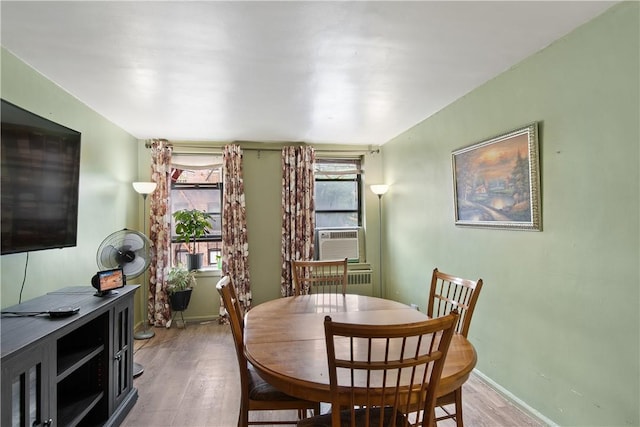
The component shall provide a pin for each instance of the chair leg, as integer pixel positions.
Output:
(243, 417)
(459, 421)
(430, 420)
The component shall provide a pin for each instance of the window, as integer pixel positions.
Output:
(338, 193)
(194, 186)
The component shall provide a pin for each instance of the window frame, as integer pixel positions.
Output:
(207, 243)
(358, 182)
(210, 237)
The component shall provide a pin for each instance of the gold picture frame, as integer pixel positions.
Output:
(497, 182)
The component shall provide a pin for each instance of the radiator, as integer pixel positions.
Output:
(359, 277)
(360, 282)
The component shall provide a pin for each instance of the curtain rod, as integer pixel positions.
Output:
(320, 150)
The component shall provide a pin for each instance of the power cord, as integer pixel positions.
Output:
(24, 278)
(141, 347)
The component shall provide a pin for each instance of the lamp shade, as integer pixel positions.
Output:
(144, 187)
(379, 189)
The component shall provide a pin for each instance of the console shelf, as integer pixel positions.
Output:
(71, 371)
(72, 412)
(71, 362)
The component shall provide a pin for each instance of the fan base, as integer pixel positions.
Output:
(145, 334)
(137, 370)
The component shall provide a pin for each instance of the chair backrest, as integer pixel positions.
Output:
(319, 276)
(387, 366)
(449, 292)
(236, 320)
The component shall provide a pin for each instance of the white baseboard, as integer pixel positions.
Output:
(515, 400)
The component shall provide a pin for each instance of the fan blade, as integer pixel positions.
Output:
(108, 257)
(141, 253)
(134, 268)
(133, 241)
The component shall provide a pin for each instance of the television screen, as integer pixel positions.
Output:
(40, 175)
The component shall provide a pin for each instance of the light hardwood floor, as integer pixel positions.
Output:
(191, 379)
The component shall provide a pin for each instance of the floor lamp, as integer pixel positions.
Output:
(380, 190)
(143, 188)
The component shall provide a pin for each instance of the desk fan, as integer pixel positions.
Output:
(128, 249)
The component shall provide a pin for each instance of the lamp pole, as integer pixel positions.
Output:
(379, 190)
(144, 189)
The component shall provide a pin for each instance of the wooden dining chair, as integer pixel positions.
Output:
(448, 293)
(379, 374)
(256, 393)
(319, 276)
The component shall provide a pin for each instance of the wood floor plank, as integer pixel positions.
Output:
(191, 379)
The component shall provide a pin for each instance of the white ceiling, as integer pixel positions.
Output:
(355, 72)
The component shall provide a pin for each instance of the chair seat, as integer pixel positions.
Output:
(259, 389)
(360, 417)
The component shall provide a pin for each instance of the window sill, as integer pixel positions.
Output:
(356, 266)
(209, 272)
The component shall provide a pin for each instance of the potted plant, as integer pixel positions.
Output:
(180, 284)
(192, 224)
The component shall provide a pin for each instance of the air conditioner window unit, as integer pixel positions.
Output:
(338, 244)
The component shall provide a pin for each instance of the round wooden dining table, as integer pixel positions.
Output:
(284, 340)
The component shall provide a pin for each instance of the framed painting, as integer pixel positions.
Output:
(497, 182)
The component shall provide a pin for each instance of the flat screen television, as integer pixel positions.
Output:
(40, 178)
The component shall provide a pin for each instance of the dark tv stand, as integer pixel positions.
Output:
(69, 371)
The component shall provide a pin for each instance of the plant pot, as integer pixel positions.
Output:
(194, 261)
(180, 300)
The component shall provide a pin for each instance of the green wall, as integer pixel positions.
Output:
(557, 322)
(109, 163)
